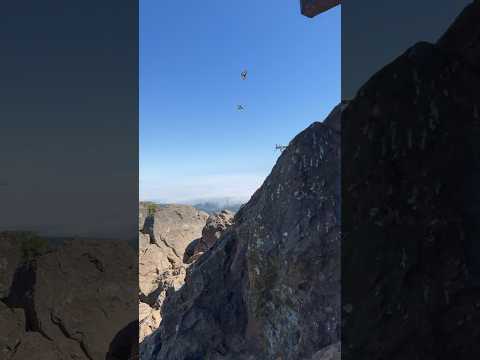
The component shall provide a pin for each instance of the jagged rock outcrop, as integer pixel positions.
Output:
(213, 229)
(411, 169)
(175, 226)
(165, 234)
(269, 288)
(216, 225)
(162, 242)
(154, 261)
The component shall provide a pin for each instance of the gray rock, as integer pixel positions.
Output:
(149, 318)
(168, 232)
(175, 226)
(160, 269)
(10, 258)
(331, 352)
(142, 215)
(35, 346)
(11, 331)
(216, 225)
(82, 297)
(143, 241)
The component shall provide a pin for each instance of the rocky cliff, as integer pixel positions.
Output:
(269, 287)
(410, 200)
(164, 233)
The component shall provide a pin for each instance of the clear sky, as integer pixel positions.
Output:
(194, 143)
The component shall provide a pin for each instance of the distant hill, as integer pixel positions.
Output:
(213, 207)
(210, 206)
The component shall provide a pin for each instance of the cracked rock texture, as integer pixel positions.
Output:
(69, 302)
(165, 233)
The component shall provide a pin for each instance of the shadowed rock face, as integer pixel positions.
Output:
(70, 302)
(34, 345)
(12, 330)
(411, 204)
(10, 257)
(82, 294)
(269, 288)
(331, 352)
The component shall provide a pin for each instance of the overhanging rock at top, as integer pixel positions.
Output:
(312, 8)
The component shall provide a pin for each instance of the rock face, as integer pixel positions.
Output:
(34, 344)
(269, 288)
(84, 318)
(216, 225)
(142, 215)
(154, 261)
(149, 317)
(70, 302)
(165, 234)
(411, 204)
(331, 352)
(175, 226)
(10, 335)
(10, 257)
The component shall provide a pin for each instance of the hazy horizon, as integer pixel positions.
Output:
(194, 143)
(225, 201)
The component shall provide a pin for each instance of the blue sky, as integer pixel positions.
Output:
(194, 144)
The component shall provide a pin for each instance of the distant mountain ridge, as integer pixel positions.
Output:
(214, 207)
(210, 206)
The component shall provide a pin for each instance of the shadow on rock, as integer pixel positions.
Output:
(124, 345)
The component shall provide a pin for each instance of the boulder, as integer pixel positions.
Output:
(215, 226)
(82, 296)
(160, 270)
(175, 226)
